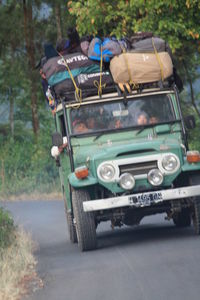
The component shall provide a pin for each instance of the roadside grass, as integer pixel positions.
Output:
(17, 263)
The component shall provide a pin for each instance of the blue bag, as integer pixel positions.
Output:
(110, 47)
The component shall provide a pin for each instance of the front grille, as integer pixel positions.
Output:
(138, 168)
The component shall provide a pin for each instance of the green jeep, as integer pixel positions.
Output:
(127, 157)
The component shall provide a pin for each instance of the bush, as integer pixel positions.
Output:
(7, 229)
(26, 166)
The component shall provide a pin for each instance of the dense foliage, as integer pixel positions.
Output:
(7, 229)
(26, 122)
(27, 166)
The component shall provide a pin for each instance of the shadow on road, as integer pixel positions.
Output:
(143, 234)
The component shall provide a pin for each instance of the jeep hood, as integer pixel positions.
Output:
(86, 150)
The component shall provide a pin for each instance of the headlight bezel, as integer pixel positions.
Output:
(169, 156)
(151, 181)
(103, 177)
(131, 177)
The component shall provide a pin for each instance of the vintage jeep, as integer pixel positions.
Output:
(127, 157)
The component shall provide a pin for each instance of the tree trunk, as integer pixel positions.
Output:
(30, 47)
(58, 21)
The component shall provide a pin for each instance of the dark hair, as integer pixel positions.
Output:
(73, 36)
(62, 45)
(49, 51)
(86, 38)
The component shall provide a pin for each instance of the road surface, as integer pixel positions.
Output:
(153, 261)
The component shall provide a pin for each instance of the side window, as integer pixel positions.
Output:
(62, 125)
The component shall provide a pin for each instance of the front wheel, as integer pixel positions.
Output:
(183, 218)
(195, 180)
(70, 224)
(84, 221)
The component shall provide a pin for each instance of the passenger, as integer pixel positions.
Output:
(79, 126)
(142, 119)
(153, 120)
(62, 46)
(115, 124)
(55, 150)
(47, 90)
(91, 123)
(39, 66)
(74, 41)
(118, 124)
(49, 51)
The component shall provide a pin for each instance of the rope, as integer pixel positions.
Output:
(78, 92)
(159, 61)
(99, 84)
(131, 82)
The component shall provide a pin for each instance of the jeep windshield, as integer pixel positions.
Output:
(137, 113)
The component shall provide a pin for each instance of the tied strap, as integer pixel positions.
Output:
(158, 59)
(134, 85)
(78, 92)
(99, 84)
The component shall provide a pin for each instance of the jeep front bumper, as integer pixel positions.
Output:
(142, 199)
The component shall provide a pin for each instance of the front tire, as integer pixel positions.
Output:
(84, 221)
(71, 228)
(70, 225)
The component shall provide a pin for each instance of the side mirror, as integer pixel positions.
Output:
(190, 122)
(57, 139)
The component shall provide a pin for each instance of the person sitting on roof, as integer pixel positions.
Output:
(49, 51)
(47, 90)
(63, 46)
(74, 40)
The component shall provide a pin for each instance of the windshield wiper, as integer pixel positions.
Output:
(98, 135)
(156, 124)
(144, 127)
(105, 131)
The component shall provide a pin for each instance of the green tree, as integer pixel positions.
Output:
(25, 163)
(165, 18)
(176, 21)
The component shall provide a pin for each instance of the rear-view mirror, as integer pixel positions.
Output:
(190, 122)
(57, 139)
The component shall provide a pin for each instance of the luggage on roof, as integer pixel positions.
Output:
(106, 48)
(66, 73)
(150, 44)
(141, 67)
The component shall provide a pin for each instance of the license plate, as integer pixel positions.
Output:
(145, 199)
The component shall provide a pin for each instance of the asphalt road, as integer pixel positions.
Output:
(154, 261)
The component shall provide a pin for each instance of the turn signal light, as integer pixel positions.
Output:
(193, 156)
(81, 172)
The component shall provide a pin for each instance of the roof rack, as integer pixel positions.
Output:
(70, 96)
(115, 96)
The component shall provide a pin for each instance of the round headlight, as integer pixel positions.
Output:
(155, 177)
(127, 181)
(107, 172)
(170, 163)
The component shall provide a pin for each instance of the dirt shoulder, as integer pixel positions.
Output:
(18, 276)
